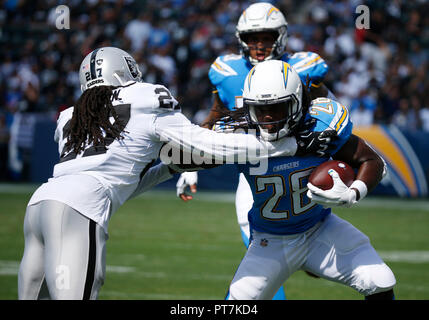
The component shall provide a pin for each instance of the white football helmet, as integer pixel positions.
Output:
(275, 84)
(108, 66)
(261, 17)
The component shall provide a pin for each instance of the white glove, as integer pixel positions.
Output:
(339, 194)
(186, 179)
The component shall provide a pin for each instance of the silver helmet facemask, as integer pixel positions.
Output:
(285, 126)
(269, 85)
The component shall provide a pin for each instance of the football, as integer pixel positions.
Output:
(320, 177)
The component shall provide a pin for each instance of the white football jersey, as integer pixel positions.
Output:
(97, 181)
(117, 170)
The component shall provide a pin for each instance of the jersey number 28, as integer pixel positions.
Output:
(270, 209)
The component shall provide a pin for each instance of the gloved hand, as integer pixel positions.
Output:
(186, 179)
(339, 194)
(230, 125)
(314, 143)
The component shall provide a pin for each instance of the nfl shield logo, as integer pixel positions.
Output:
(264, 242)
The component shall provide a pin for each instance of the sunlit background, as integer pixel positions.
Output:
(379, 73)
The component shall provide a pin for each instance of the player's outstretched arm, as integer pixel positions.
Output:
(190, 179)
(178, 132)
(152, 177)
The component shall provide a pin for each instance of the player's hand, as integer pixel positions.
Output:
(232, 122)
(187, 179)
(314, 143)
(338, 195)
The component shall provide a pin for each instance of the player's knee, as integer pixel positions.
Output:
(375, 279)
(383, 279)
(247, 288)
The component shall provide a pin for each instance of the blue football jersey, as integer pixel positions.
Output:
(227, 73)
(281, 205)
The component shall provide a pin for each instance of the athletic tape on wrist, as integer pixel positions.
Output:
(361, 187)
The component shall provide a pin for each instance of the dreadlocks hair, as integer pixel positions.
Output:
(306, 96)
(306, 101)
(91, 119)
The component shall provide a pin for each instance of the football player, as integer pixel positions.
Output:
(262, 35)
(108, 143)
(292, 226)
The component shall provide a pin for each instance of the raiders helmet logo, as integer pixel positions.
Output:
(132, 66)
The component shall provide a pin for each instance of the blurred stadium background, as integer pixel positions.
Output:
(173, 250)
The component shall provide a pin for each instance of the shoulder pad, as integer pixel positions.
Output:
(65, 115)
(309, 63)
(165, 100)
(148, 98)
(225, 66)
(63, 118)
(330, 114)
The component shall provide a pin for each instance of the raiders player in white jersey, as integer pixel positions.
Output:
(108, 143)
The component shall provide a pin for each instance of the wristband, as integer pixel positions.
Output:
(361, 188)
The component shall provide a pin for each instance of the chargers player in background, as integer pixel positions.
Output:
(292, 226)
(108, 143)
(262, 35)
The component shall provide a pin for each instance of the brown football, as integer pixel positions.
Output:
(321, 178)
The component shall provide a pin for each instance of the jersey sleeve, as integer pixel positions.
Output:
(309, 64)
(147, 98)
(154, 176)
(215, 73)
(164, 100)
(219, 70)
(331, 114)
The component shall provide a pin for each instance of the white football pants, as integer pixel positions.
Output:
(333, 249)
(64, 251)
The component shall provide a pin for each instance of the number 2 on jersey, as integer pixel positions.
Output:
(270, 209)
(165, 99)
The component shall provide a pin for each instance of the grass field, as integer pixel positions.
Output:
(162, 248)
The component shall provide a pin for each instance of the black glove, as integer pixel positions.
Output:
(314, 143)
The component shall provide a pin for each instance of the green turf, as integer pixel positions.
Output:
(162, 248)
